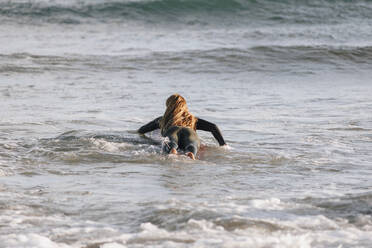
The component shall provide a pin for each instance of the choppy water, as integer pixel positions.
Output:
(288, 83)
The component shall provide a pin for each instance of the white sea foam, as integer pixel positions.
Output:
(109, 146)
(291, 230)
(112, 245)
(272, 203)
(29, 240)
(227, 147)
(4, 172)
(202, 233)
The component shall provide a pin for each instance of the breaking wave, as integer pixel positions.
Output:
(203, 11)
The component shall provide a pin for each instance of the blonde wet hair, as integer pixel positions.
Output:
(177, 114)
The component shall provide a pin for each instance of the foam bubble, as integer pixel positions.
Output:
(4, 172)
(109, 146)
(202, 233)
(30, 240)
(113, 245)
(226, 147)
(271, 203)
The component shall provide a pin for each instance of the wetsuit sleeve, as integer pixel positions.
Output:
(151, 126)
(208, 126)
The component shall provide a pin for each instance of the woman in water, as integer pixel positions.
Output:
(179, 126)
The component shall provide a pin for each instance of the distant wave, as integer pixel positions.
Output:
(258, 58)
(318, 53)
(177, 10)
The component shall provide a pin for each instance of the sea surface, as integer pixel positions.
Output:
(289, 84)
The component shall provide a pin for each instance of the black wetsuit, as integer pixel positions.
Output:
(182, 137)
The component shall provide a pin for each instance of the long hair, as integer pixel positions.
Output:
(177, 114)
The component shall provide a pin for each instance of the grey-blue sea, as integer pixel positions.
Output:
(287, 82)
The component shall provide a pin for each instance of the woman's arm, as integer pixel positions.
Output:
(208, 126)
(151, 126)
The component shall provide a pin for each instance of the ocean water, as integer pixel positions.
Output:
(289, 83)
